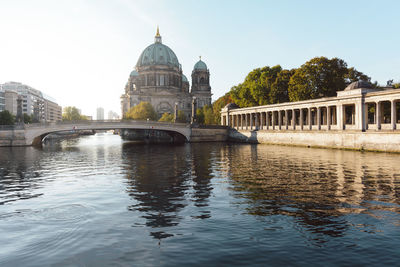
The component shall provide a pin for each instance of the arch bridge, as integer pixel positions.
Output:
(35, 133)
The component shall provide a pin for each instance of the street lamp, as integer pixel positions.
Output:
(194, 107)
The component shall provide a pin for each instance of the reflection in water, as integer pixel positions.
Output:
(20, 173)
(100, 201)
(159, 178)
(159, 192)
(315, 186)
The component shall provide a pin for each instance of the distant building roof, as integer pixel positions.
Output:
(357, 85)
(200, 65)
(231, 106)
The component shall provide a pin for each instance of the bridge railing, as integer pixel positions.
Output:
(22, 126)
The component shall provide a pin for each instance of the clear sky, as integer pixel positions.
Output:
(81, 52)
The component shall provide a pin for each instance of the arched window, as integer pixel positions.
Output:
(202, 81)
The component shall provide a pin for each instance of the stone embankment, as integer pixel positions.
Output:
(385, 141)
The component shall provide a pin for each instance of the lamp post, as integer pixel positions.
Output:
(194, 107)
(176, 112)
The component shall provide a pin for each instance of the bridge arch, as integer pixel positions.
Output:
(34, 134)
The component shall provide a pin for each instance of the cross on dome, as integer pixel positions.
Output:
(157, 38)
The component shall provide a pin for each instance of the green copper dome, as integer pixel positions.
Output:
(184, 79)
(158, 54)
(134, 73)
(200, 65)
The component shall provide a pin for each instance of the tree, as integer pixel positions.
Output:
(167, 117)
(321, 77)
(262, 86)
(219, 104)
(279, 87)
(208, 113)
(72, 114)
(200, 116)
(181, 117)
(142, 111)
(6, 118)
(27, 118)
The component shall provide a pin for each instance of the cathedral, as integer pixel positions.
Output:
(159, 80)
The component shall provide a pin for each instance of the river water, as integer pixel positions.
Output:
(100, 201)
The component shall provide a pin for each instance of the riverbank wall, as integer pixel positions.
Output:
(12, 137)
(209, 134)
(384, 141)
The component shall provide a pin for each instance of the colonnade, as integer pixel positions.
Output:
(359, 110)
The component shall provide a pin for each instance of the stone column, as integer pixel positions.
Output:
(339, 116)
(262, 120)
(301, 119)
(378, 115)
(257, 120)
(267, 120)
(309, 119)
(273, 120)
(251, 121)
(328, 118)
(293, 119)
(393, 115)
(361, 115)
(319, 118)
(279, 120)
(286, 119)
(246, 121)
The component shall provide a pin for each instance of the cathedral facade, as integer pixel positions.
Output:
(159, 80)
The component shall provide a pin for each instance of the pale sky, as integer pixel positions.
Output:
(81, 52)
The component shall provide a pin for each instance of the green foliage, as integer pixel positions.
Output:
(142, 111)
(279, 88)
(209, 118)
(206, 115)
(321, 77)
(72, 114)
(6, 118)
(200, 116)
(219, 104)
(181, 117)
(262, 86)
(27, 118)
(167, 117)
(396, 85)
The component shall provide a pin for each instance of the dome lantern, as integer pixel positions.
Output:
(157, 38)
(200, 65)
(157, 54)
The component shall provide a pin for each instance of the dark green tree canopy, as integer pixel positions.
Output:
(322, 77)
(6, 118)
(319, 77)
(142, 111)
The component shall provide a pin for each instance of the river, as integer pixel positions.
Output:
(101, 201)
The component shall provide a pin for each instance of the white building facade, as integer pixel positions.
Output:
(34, 103)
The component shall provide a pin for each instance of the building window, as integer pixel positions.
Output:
(162, 80)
